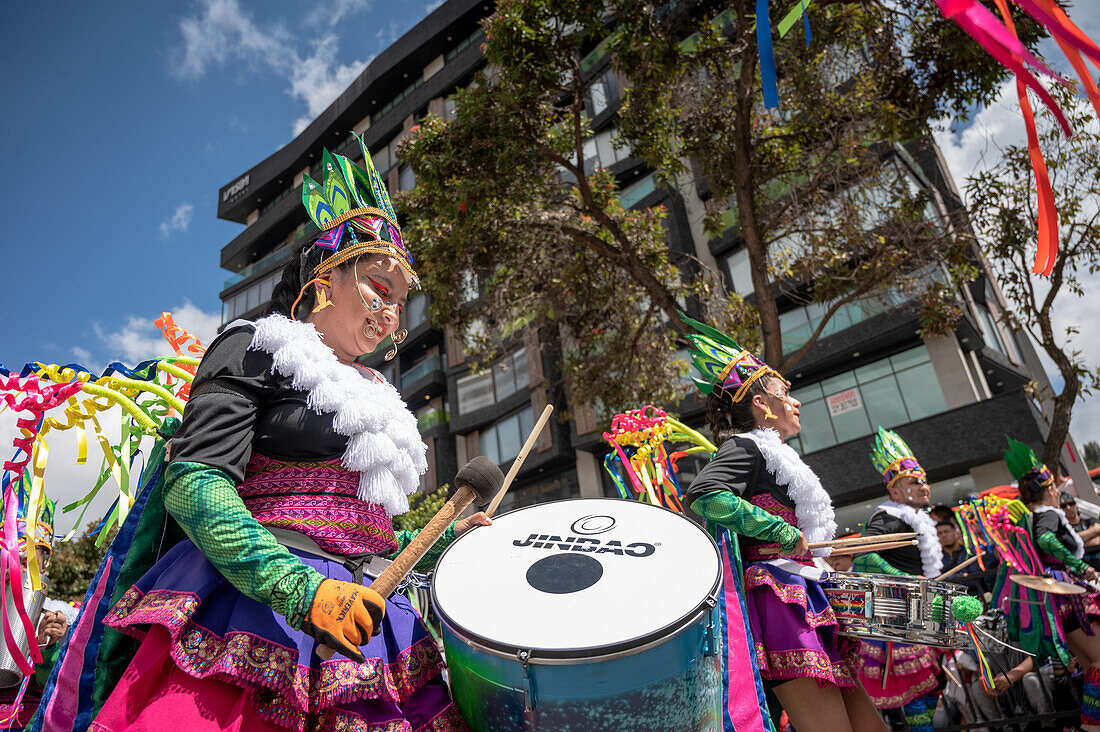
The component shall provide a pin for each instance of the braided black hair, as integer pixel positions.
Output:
(727, 417)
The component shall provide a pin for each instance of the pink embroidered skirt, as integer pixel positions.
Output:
(913, 672)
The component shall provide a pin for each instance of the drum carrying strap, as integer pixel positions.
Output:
(359, 565)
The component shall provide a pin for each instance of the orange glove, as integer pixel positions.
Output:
(344, 615)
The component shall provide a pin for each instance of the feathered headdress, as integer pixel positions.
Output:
(1022, 461)
(723, 362)
(352, 208)
(893, 458)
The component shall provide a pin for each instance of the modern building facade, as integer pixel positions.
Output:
(952, 398)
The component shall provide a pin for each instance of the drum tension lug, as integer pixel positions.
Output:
(710, 636)
(529, 699)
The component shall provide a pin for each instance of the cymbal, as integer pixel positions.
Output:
(1046, 584)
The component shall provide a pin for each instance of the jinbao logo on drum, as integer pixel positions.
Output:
(588, 526)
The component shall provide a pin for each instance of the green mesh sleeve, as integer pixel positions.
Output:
(49, 658)
(741, 517)
(207, 506)
(1049, 543)
(874, 563)
(427, 562)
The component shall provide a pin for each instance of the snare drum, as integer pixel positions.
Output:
(892, 608)
(589, 614)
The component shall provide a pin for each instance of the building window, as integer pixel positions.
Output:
(406, 178)
(890, 392)
(737, 265)
(501, 441)
(251, 297)
(507, 376)
(416, 311)
(603, 92)
(423, 367)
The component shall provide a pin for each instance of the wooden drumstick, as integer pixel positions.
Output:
(879, 547)
(840, 544)
(958, 567)
(477, 481)
(518, 462)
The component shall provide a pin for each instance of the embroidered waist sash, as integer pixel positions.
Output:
(751, 548)
(319, 500)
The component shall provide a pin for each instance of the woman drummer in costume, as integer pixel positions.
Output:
(1043, 623)
(898, 674)
(759, 489)
(285, 474)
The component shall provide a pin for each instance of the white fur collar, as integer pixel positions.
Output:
(812, 505)
(384, 446)
(931, 552)
(1079, 546)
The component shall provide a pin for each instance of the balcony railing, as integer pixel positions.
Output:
(420, 370)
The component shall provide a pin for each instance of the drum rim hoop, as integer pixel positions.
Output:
(588, 653)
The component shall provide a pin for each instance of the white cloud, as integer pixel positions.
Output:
(139, 340)
(977, 148)
(223, 32)
(180, 220)
(317, 82)
(82, 355)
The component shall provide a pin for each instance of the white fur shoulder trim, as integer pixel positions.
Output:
(931, 552)
(1079, 545)
(813, 506)
(384, 446)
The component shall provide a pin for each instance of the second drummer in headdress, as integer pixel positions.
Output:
(896, 674)
(759, 489)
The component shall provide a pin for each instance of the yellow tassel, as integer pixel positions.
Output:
(322, 301)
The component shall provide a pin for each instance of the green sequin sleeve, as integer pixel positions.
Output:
(741, 517)
(427, 562)
(874, 563)
(207, 506)
(1049, 543)
(49, 658)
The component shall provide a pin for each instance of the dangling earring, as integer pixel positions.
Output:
(370, 330)
(768, 413)
(322, 302)
(397, 338)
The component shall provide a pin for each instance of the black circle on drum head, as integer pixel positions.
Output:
(561, 574)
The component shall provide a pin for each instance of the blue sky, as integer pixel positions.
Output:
(121, 123)
(122, 120)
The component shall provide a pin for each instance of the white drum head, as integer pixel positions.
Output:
(576, 578)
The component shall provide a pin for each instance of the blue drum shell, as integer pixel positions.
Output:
(673, 685)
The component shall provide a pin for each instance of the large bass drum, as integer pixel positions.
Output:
(588, 614)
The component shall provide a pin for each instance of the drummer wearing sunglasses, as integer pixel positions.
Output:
(758, 493)
(897, 675)
(1060, 550)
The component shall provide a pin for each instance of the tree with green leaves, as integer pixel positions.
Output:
(820, 191)
(422, 507)
(73, 564)
(1004, 212)
(1091, 451)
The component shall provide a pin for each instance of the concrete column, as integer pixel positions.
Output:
(948, 362)
(588, 475)
(696, 213)
(990, 475)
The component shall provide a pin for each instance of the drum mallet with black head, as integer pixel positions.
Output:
(478, 481)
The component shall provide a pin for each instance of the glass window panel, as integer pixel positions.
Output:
(519, 368)
(922, 392)
(793, 319)
(909, 358)
(526, 423)
(508, 434)
(873, 371)
(475, 391)
(883, 402)
(416, 311)
(807, 393)
(605, 148)
(838, 383)
(406, 178)
(852, 424)
(489, 446)
(598, 94)
(253, 296)
(817, 428)
(381, 159)
(738, 266)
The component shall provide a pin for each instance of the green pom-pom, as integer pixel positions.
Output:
(966, 609)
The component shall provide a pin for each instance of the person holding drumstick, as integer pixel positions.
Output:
(290, 463)
(1055, 625)
(759, 490)
(897, 674)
